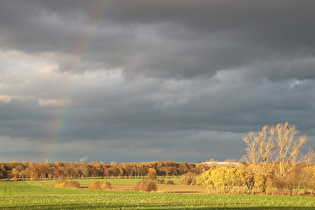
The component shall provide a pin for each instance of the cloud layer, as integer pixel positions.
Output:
(151, 80)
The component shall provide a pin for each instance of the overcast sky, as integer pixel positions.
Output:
(149, 80)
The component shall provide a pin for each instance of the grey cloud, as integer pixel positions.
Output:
(146, 110)
(154, 78)
(300, 68)
(24, 119)
(189, 39)
(190, 146)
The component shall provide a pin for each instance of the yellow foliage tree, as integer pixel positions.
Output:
(221, 179)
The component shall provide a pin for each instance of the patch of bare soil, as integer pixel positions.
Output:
(192, 189)
(168, 188)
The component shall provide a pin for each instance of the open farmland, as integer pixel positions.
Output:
(32, 196)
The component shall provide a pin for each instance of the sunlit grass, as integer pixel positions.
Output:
(29, 195)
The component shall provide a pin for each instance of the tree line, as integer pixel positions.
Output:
(65, 170)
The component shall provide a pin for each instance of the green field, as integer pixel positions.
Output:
(29, 195)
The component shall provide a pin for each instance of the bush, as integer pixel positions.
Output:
(74, 184)
(107, 185)
(61, 183)
(145, 186)
(161, 181)
(188, 179)
(98, 185)
(152, 174)
(170, 182)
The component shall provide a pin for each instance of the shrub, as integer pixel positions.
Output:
(170, 182)
(61, 183)
(145, 186)
(74, 184)
(161, 181)
(199, 180)
(137, 186)
(107, 185)
(150, 186)
(152, 174)
(98, 185)
(188, 179)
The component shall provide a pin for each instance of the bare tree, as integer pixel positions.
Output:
(266, 148)
(288, 148)
(275, 145)
(310, 156)
(252, 141)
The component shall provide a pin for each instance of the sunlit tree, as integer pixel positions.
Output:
(275, 144)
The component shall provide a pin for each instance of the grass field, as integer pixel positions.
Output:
(29, 195)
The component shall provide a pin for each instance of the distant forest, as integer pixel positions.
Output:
(66, 170)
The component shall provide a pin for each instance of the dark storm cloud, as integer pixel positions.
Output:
(25, 119)
(181, 79)
(300, 68)
(150, 109)
(181, 39)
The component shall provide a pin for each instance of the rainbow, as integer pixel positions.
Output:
(81, 48)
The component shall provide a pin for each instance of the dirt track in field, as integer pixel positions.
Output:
(193, 189)
(182, 189)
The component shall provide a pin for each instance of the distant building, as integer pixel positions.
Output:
(215, 163)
